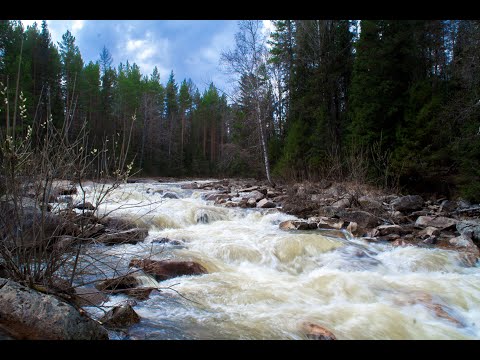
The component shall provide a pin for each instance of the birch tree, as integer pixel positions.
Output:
(248, 61)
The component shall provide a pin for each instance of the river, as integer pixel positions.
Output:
(263, 283)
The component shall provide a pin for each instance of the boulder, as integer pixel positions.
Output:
(85, 206)
(217, 197)
(317, 332)
(119, 283)
(31, 315)
(251, 202)
(407, 203)
(428, 232)
(167, 269)
(257, 195)
(170, 195)
(121, 316)
(118, 223)
(470, 227)
(364, 219)
(264, 204)
(369, 203)
(295, 225)
(131, 236)
(439, 222)
(190, 186)
(384, 230)
(342, 203)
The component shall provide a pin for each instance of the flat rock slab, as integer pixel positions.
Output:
(440, 222)
(32, 315)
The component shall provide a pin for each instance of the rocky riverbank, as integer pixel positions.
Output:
(364, 212)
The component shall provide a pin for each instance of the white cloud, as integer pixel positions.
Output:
(147, 52)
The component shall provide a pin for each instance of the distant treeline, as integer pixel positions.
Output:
(391, 102)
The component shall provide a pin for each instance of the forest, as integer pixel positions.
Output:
(394, 103)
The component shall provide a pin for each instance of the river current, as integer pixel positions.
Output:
(264, 283)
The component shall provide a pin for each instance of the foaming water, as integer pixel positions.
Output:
(263, 283)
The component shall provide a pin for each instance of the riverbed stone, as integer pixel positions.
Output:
(471, 227)
(294, 225)
(85, 206)
(384, 230)
(131, 236)
(265, 203)
(118, 283)
(317, 332)
(167, 269)
(440, 222)
(364, 219)
(121, 316)
(407, 203)
(36, 316)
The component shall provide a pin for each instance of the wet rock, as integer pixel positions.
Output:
(439, 310)
(190, 186)
(89, 296)
(118, 223)
(439, 222)
(230, 204)
(217, 197)
(300, 208)
(329, 226)
(280, 198)
(463, 241)
(294, 225)
(317, 332)
(249, 189)
(167, 269)
(131, 236)
(170, 195)
(429, 231)
(469, 227)
(119, 283)
(251, 202)
(264, 204)
(430, 240)
(384, 230)
(168, 241)
(353, 228)
(257, 195)
(407, 203)
(364, 219)
(85, 206)
(121, 316)
(31, 315)
(400, 242)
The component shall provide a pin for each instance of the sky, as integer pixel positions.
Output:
(191, 48)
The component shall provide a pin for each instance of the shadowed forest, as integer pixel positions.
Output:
(394, 103)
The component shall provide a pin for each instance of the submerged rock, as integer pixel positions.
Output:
(119, 283)
(167, 269)
(30, 315)
(317, 332)
(131, 236)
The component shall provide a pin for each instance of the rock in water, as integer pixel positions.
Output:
(264, 203)
(120, 317)
(294, 225)
(31, 315)
(167, 269)
(317, 332)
